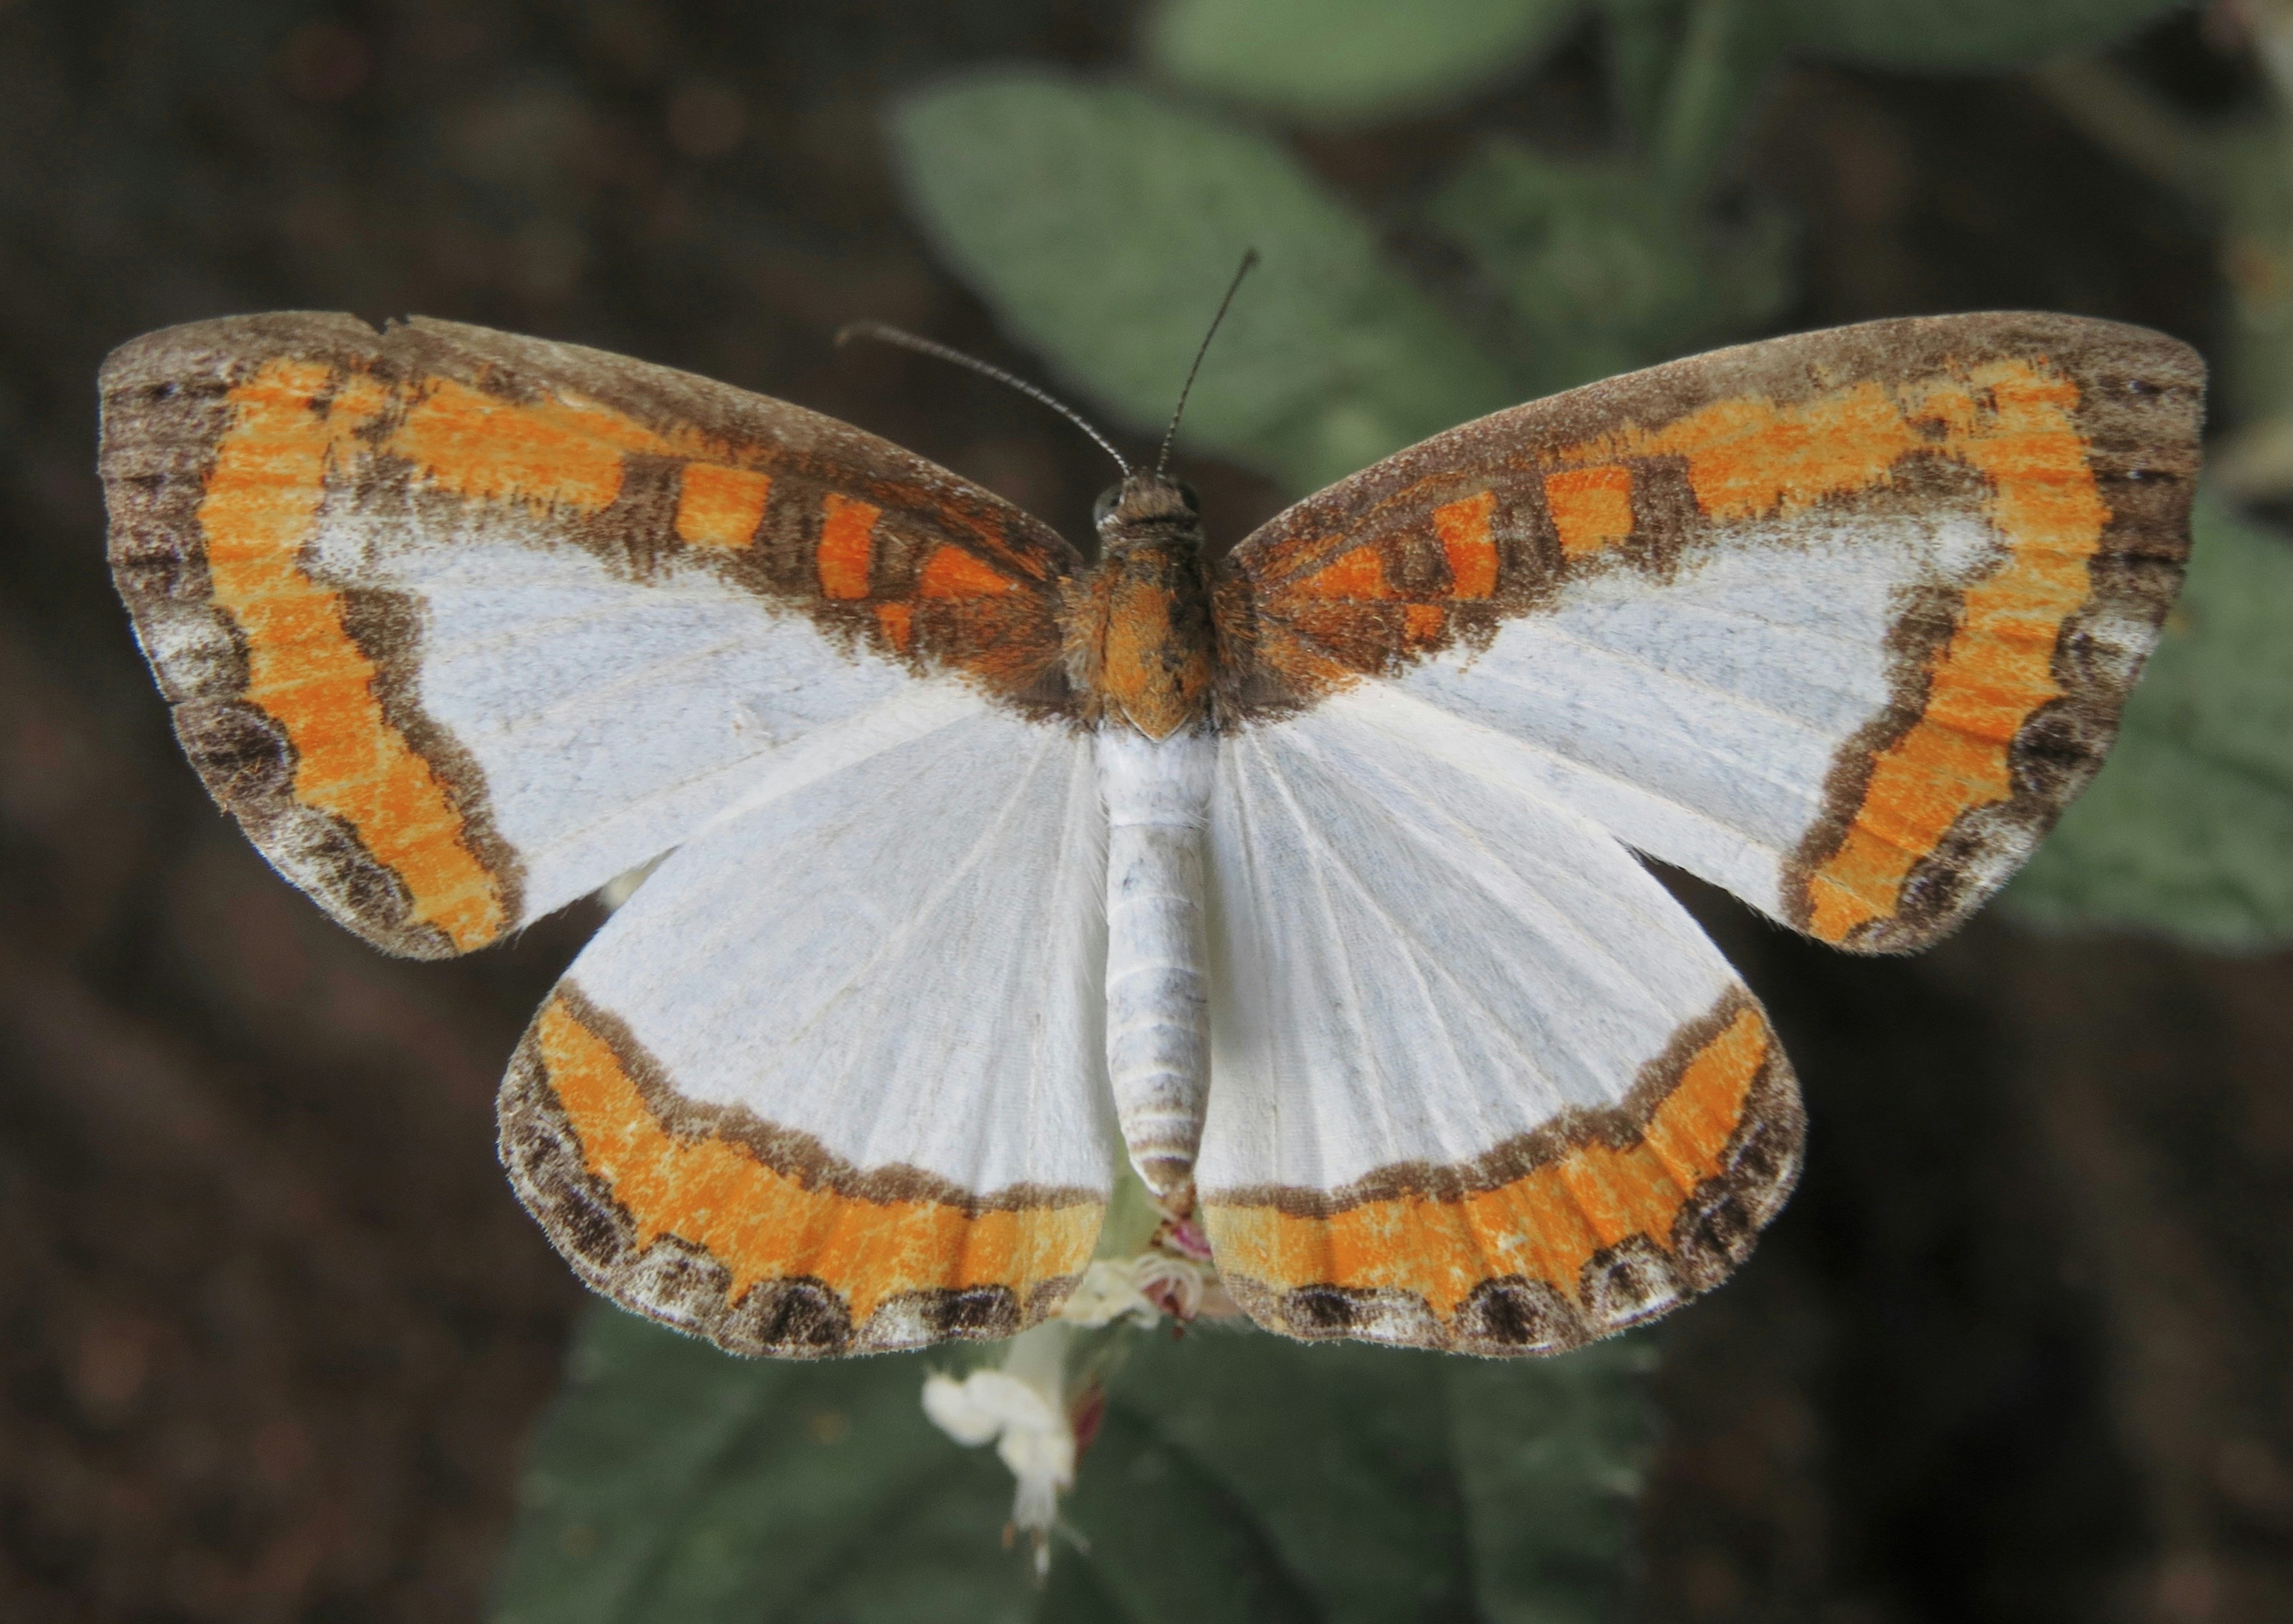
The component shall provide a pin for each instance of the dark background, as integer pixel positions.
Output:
(274, 1329)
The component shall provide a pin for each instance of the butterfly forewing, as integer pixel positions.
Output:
(1839, 621)
(461, 625)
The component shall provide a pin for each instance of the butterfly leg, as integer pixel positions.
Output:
(1157, 793)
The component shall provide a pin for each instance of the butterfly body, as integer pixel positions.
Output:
(1157, 793)
(1310, 878)
(1142, 646)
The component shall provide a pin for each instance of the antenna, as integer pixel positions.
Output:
(905, 340)
(1249, 260)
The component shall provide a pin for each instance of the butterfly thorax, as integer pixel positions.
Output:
(1139, 640)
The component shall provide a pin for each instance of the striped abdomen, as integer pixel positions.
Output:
(1157, 793)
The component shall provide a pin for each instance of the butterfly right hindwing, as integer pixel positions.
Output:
(1479, 1082)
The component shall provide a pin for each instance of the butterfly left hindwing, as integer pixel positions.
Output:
(832, 1081)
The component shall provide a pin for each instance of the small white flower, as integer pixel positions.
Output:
(1141, 1290)
(1019, 1409)
(1174, 1285)
(1109, 1291)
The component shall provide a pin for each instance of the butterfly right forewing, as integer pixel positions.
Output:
(1839, 621)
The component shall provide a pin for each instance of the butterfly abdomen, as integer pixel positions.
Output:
(1158, 795)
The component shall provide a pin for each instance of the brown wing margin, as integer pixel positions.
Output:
(2076, 440)
(754, 1235)
(1599, 1221)
(229, 444)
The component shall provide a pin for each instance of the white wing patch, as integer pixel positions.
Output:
(1700, 721)
(612, 717)
(833, 1080)
(1414, 963)
(900, 961)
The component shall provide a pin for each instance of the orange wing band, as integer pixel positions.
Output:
(763, 1225)
(2011, 421)
(553, 452)
(1546, 1225)
(720, 507)
(292, 421)
(847, 546)
(1467, 545)
(1592, 508)
(950, 572)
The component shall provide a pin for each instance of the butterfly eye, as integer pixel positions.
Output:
(1194, 502)
(1102, 510)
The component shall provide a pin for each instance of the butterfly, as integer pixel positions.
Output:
(1310, 879)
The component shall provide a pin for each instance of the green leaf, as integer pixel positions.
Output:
(1102, 225)
(1606, 268)
(2188, 829)
(1643, 39)
(1962, 36)
(1727, 51)
(673, 1482)
(2256, 169)
(1339, 62)
(1403, 1485)
(1235, 1476)
(1687, 73)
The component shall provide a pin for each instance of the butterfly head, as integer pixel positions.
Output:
(1147, 504)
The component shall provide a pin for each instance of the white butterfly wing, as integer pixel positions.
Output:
(1479, 1083)
(461, 626)
(833, 1080)
(1701, 721)
(1839, 621)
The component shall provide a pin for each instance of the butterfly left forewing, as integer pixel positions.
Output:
(1480, 1084)
(461, 625)
(1839, 621)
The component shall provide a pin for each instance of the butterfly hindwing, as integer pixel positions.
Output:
(832, 1081)
(461, 625)
(1480, 1084)
(1839, 621)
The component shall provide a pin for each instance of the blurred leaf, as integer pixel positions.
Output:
(1334, 62)
(1606, 269)
(1643, 39)
(1962, 36)
(1717, 74)
(2256, 174)
(1405, 1485)
(1235, 1476)
(1102, 225)
(1687, 73)
(2188, 829)
(675, 1482)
